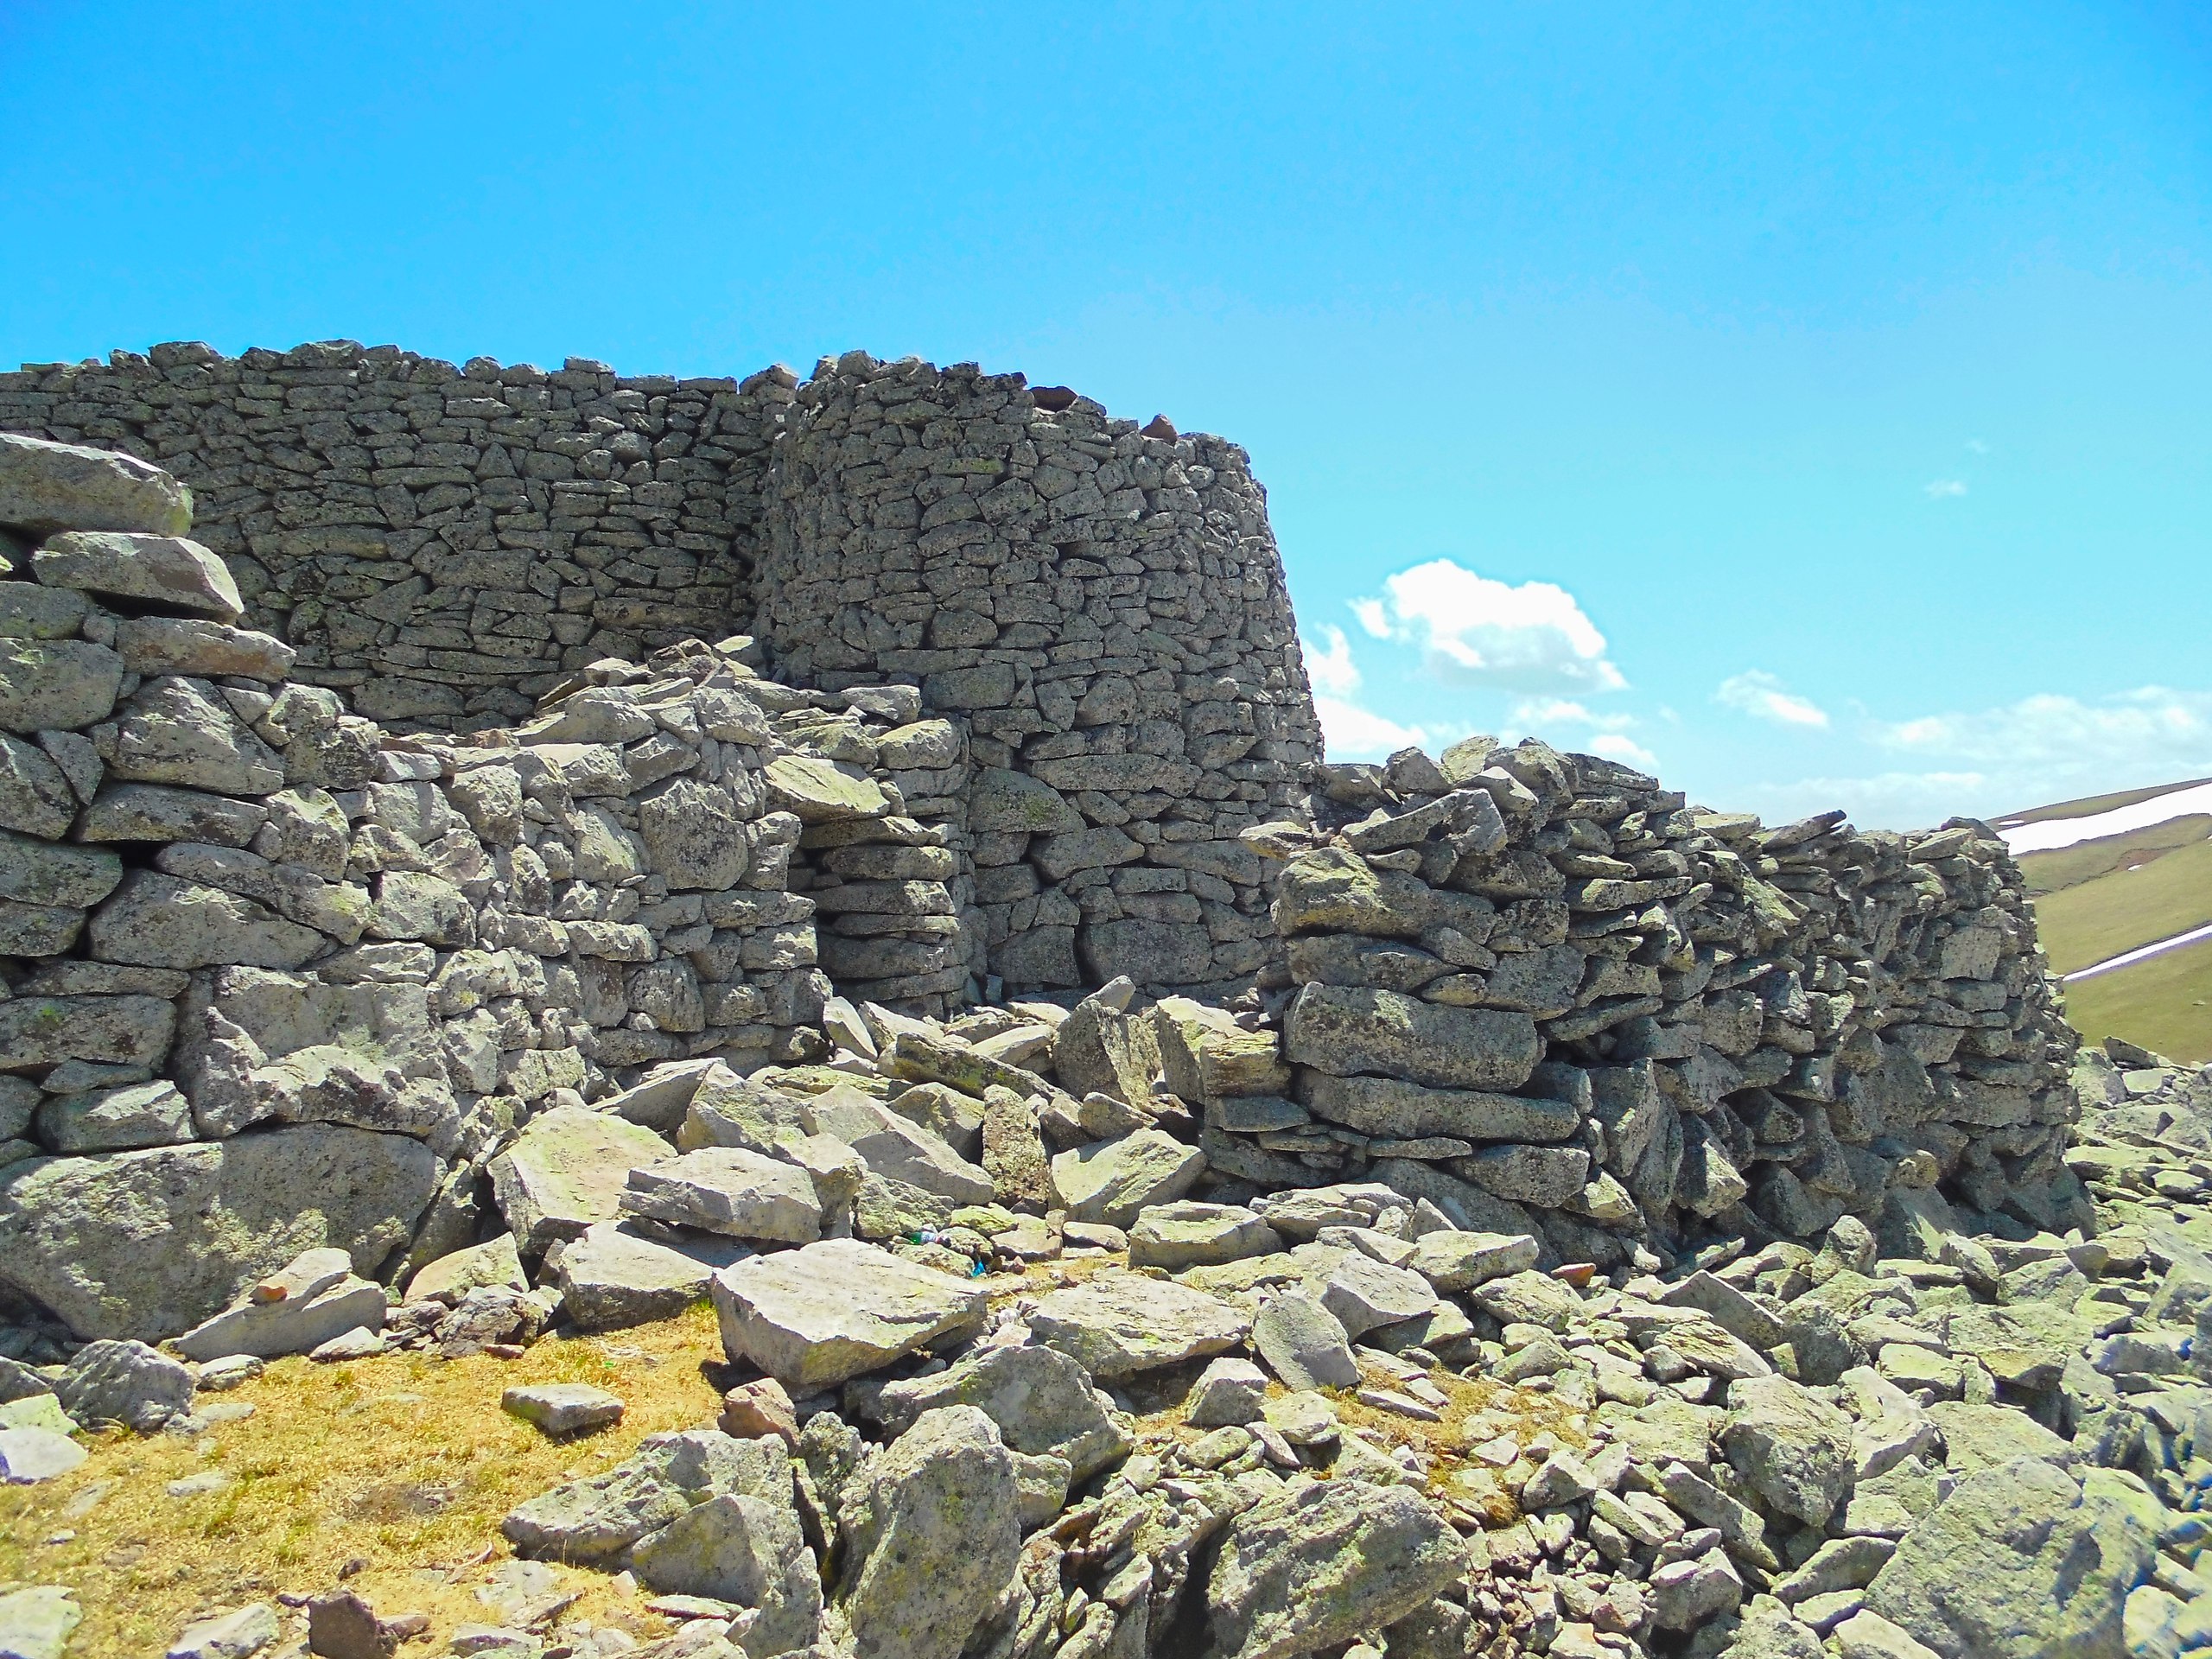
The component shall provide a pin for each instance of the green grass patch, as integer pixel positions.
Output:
(2085, 924)
(2163, 1002)
(2069, 867)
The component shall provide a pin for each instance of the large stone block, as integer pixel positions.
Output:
(1347, 1032)
(165, 571)
(46, 487)
(56, 684)
(814, 1317)
(148, 1244)
(568, 1169)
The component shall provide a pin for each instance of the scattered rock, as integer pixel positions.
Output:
(562, 1407)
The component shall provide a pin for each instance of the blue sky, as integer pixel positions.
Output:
(1812, 402)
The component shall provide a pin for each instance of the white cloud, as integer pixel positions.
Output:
(1556, 711)
(1615, 747)
(1331, 668)
(1986, 762)
(1351, 732)
(2152, 725)
(1760, 694)
(1943, 488)
(1472, 630)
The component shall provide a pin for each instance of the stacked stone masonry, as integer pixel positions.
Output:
(1102, 607)
(1551, 997)
(255, 946)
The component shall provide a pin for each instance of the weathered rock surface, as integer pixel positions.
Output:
(74, 1231)
(1322, 1563)
(932, 1537)
(813, 1317)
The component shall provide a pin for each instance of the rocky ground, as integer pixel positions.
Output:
(1152, 1411)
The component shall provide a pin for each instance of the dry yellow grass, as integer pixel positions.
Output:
(406, 1462)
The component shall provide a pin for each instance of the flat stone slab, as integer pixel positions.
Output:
(613, 1277)
(731, 1191)
(562, 1407)
(568, 1169)
(813, 1317)
(30, 1455)
(47, 487)
(1119, 1324)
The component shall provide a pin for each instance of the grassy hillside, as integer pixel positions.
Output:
(2069, 867)
(2163, 1002)
(2085, 924)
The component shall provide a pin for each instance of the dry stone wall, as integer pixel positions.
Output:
(1549, 996)
(300, 976)
(442, 541)
(1103, 606)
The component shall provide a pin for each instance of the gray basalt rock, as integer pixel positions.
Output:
(2018, 1562)
(1793, 1448)
(1321, 1563)
(730, 1190)
(315, 1297)
(1117, 1324)
(1347, 1032)
(47, 487)
(597, 1518)
(748, 1551)
(158, 921)
(72, 1230)
(1116, 1181)
(126, 1383)
(1304, 1344)
(166, 570)
(1041, 1400)
(56, 684)
(811, 1318)
(932, 1535)
(612, 1277)
(569, 1168)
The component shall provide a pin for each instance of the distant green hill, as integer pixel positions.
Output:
(2099, 897)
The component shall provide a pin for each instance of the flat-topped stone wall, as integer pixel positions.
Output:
(1103, 605)
(442, 541)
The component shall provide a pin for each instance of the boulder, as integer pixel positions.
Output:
(116, 1120)
(1114, 1181)
(1188, 1234)
(56, 684)
(896, 1149)
(1453, 1260)
(730, 1190)
(2018, 1563)
(564, 1409)
(598, 1517)
(1040, 1399)
(1230, 1391)
(1348, 1031)
(235, 1634)
(157, 921)
(46, 487)
(613, 1277)
(316, 1297)
(1118, 1324)
(1322, 1563)
(32, 1452)
(35, 1622)
(811, 1318)
(127, 1030)
(164, 571)
(1792, 1446)
(448, 1278)
(745, 1551)
(1303, 1344)
(569, 1168)
(819, 791)
(126, 1383)
(1393, 1108)
(932, 1536)
(72, 1230)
